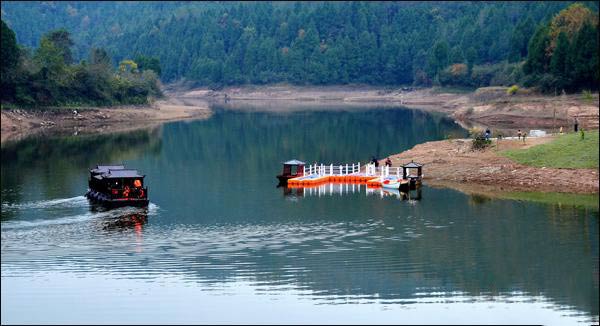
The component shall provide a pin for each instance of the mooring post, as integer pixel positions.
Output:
(358, 167)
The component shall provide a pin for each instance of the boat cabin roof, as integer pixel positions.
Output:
(106, 168)
(294, 162)
(120, 173)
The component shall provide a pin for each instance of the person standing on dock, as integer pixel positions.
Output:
(388, 162)
(375, 161)
(519, 134)
(576, 125)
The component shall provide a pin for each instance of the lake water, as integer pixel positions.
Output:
(220, 243)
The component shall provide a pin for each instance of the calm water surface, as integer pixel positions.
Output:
(220, 243)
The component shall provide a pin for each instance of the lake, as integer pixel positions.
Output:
(221, 243)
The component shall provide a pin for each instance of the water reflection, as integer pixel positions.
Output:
(340, 189)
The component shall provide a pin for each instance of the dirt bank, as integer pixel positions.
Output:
(452, 163)
(18, 123)
(486, 107)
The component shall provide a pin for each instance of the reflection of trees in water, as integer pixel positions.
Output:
(27, 162)
(479, 199)
(255, 141)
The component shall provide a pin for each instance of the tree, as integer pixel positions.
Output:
(456, 55)
(62, 40)
(569, 21)
(10, 61)
(128, 66)
(537, 59)
(520, 39)
(471, 56)
(148, 63)
(99, 56)
(583, 61)
(559, 59)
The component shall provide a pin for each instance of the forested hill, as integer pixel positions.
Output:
(301, 42)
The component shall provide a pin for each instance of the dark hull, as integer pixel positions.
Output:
(104, 200)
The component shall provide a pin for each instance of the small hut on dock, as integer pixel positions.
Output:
(415, 178)
(291, 169)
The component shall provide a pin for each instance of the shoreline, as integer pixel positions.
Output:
(488, 107)
(19, 123)
(485, 107)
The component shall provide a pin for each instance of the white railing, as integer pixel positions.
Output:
(346, 169)
(330, 169)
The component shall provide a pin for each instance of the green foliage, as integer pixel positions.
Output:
(148, 63)
(587, 96)
(500, 74)
(10, 62)
(537, 60)
(128, 66)
(47, 79)
(382, 43)
(220, 43)
(563, 54)
(61, 39)
(567, 151)
(512, 90)
(520, 39)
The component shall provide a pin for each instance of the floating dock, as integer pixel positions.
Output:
(369, 174)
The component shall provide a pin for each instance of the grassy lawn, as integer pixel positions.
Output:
(567, 151)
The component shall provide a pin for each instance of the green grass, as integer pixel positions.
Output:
(567, 151)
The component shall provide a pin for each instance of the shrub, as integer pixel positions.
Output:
(512, 90)
(479, 142)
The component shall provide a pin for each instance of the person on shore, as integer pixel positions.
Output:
(561, 130)
(519, 134)
(576, 125)
(488, 133)
(524, 135)
(388, 162)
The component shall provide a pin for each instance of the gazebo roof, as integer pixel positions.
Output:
(412, 165)
(294, 162)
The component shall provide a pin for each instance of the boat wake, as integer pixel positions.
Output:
(59, 202)
(75, 202)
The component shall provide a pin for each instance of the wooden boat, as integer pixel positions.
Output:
(291, 169)
(116, 186)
